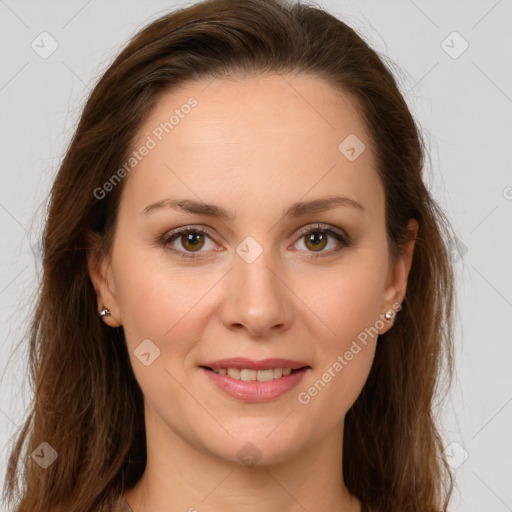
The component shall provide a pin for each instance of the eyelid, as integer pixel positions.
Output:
(320, 227)
(192, 227)
(298, 233)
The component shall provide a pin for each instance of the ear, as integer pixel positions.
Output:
(100, 272)
(398, 275)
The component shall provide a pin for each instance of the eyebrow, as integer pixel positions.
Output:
(297, 209)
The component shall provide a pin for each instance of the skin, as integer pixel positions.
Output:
(253, 146)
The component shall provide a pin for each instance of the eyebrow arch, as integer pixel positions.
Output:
(295, 210)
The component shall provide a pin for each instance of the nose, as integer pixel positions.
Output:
(256, 298)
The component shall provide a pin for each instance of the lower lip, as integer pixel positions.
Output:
(253, 390)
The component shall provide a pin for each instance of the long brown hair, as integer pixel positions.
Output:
(87, 404)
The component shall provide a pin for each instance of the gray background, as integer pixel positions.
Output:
(463, 102)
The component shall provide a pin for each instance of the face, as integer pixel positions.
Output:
(280, 273)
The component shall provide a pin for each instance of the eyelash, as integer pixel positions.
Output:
(343, 239)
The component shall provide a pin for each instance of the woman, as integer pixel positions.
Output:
(247, 297)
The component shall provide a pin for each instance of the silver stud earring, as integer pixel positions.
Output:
(105, 312)
(390, 313)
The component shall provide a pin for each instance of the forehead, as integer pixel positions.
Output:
(265, 136)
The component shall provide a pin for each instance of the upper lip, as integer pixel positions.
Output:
(252, 364)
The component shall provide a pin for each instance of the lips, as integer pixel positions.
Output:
(236, 377)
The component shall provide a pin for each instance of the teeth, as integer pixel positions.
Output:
(250, 375)
(265, 375)
(234, 373)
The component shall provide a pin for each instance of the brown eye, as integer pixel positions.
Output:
(192, 241)
(188, 242)
(316, 241)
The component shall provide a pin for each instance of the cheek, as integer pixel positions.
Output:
(160, 312)
(350, 312)
(155, 299)
(349, 299)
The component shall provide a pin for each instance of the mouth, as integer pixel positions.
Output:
(255, 381)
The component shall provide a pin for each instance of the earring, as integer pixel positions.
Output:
(389, 314)
(105, 312)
